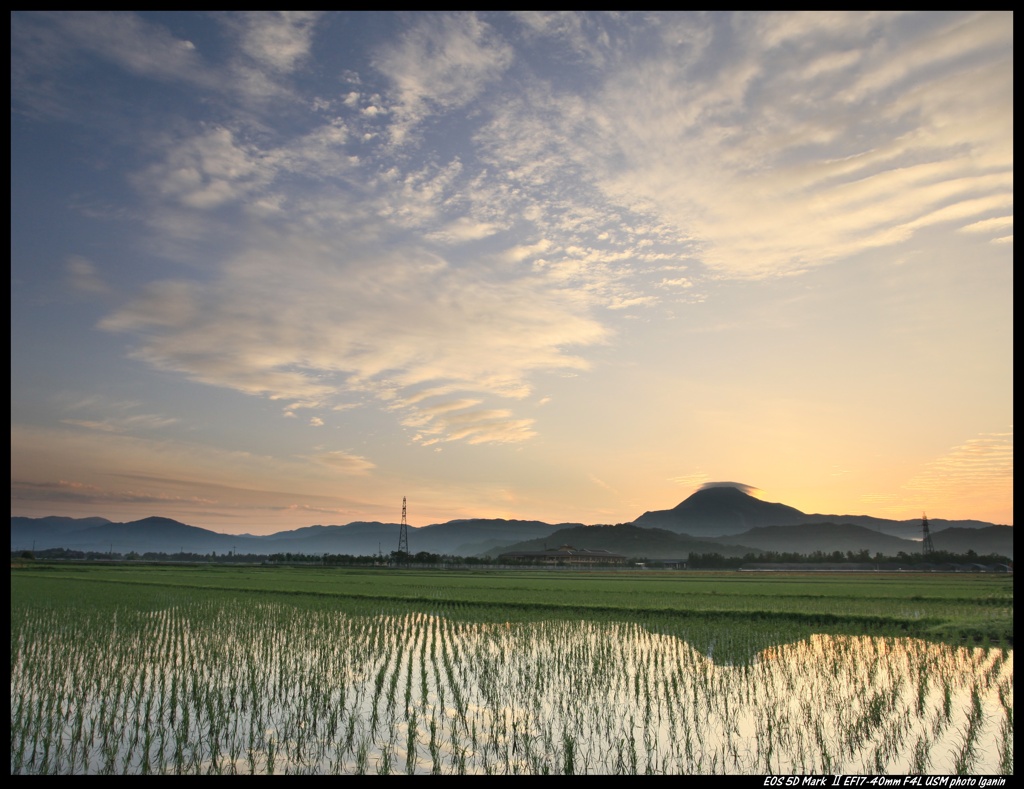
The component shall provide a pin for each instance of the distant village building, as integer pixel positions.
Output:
(564, 554)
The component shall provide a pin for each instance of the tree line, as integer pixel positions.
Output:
(709, 561)
(718, 561)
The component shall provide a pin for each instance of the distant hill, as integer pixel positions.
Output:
(479, 536)
(717, 512)
(628, 539)
(983, 541)
(164, 535)
(52, 526)
(728, 511)
(808, 538)
(721, 520)
(907, 529)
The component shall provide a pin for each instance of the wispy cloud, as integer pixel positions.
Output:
(278, 40)
(981, 466)
(580, 34)
(693, 480)
(748, 489)
(84, 276)
(440, 63)
(126, 424)
(47, 47)
(458, 421)
(998, 224)
(297, 322)
(463, 229)
(93, 460)
(68, 492)
(130, 41)
(485, 426)
(346, 462)
(107, 415)
(830, 158)
(211, 169)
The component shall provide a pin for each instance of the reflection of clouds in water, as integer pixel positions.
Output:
(325, 692)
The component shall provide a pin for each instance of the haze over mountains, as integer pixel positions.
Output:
(722, 511)
(725, 520)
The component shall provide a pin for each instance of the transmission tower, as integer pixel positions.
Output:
(926, 545)
(403, 535)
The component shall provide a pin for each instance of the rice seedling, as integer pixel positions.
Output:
(217, 683)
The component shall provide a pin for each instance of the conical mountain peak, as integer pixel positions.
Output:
(719, 511)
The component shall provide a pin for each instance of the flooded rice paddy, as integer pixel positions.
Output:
(200, 688)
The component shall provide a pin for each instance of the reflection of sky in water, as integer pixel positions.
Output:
(321, 692)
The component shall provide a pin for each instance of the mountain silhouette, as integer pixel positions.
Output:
(730, 512)
(722, 519)
(629, 540)
(719, 512)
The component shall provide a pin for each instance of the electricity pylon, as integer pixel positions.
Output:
(403, 535)
(926, 545)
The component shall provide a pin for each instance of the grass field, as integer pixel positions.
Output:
(193, 670)
(974, 608)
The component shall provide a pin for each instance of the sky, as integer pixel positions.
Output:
(271, 270)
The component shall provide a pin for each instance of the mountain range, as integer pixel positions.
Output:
(723, 520)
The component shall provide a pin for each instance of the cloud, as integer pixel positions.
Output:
(426, 413)
(112, 416)
(114, 466)
(68, 492)
(297, 320)
(601, 483)
(209, 170)
(128, 424)
(443, 61)
(135, 44)
(459, 420)
(780, 155)
(277, 40)
(84, 276)
(481, 426)
(48, 50)
(91, 424)
(996, 224)
(583, 35)
(982, 465)
(676, 282)
(272, 46)
(750, 490)
(463, 229)
(346, 462)
(521, 252)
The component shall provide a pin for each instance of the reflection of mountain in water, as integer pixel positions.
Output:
(530, 698)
